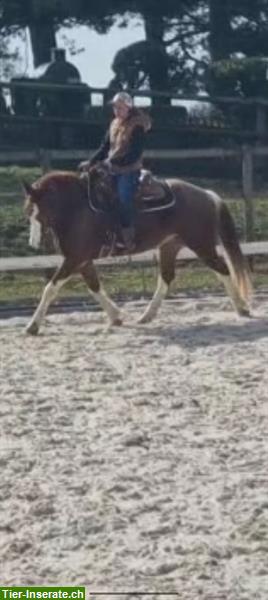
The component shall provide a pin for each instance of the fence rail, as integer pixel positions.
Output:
(37, 155)
(95, 97)
(35, 264)
(150, 94)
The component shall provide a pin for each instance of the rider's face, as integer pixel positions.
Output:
(121, 110)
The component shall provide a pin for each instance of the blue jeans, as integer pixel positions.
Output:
(127, 184)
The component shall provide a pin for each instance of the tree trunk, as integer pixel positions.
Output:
(43, 38)
(220, 29)
(158, 67)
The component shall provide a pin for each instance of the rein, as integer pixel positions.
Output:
(91, 195)
(94, 203)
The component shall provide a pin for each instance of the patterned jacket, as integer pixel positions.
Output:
(123, 143)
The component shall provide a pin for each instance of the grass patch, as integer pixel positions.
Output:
(132, 281)
(14, 227)
(127, 282)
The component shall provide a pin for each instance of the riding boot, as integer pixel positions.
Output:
(128, 234)
(127, 242)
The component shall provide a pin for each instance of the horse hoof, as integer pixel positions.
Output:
(245, 312)
(144, 319)
(117, 322)
(32, 329)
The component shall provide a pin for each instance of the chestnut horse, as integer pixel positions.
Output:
(197, 218)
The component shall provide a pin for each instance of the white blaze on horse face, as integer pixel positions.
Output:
(35, 229)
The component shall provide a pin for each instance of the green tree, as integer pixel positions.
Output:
(220, 31)
(240, 26)
(44, 17)
(166, 60)
(238, 44)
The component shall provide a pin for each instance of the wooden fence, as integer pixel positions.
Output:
(258, 104)
(39, 264)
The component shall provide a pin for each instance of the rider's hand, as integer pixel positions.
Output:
(107, 164)
(84, 165)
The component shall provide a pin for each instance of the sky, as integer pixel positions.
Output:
(96, 55)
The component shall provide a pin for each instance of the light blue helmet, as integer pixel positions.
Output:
(122, 98)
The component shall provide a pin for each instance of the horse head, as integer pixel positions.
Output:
(39, 207)
(32, 211)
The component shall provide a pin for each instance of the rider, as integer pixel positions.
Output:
(121, 150)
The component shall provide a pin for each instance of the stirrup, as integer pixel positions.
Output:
(120, 245)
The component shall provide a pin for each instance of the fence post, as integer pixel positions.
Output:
(247, 187)
(45, 160)
(261, 121)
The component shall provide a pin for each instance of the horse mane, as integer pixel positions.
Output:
(66, 188)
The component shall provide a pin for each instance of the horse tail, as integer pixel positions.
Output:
(236, 262)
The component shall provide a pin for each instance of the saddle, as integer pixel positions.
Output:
(152, 193)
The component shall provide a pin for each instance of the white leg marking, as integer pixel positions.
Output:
(35, 229)
(152, 309)
(108, 306)
(50, 292)
(239, 304)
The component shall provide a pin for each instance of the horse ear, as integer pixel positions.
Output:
(29, 190)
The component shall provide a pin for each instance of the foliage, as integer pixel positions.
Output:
(8, 57)
(249, 26)
(166, 59)
(17, 14)
(244, 77)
